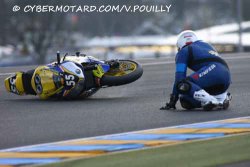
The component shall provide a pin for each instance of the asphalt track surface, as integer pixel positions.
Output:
(26, 120)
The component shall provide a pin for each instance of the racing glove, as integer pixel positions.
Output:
(171, 104)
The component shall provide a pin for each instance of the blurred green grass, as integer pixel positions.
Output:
(199, 153)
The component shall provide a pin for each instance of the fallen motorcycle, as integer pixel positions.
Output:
(73, 76)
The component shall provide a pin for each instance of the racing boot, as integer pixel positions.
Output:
(224, 100)
(208, 102)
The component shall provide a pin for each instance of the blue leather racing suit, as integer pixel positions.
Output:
(210, 72)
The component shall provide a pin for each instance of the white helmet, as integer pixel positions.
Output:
(185, 38)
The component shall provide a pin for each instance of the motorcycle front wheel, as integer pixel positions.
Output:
(128, 71)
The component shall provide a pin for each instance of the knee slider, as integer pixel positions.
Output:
(184, 87)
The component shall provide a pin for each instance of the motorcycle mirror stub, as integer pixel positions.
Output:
(58, 57)
(66, 54)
